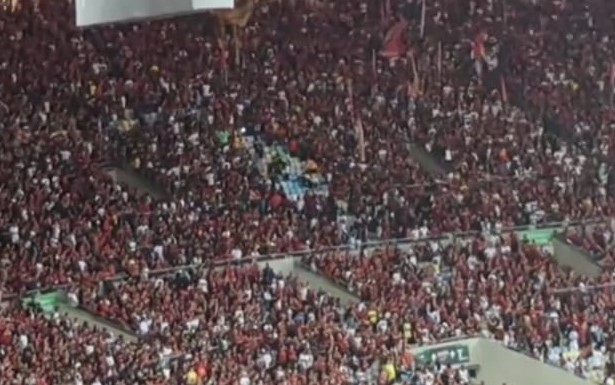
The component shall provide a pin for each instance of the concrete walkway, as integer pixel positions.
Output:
(428, 162)
(137, 182)
(319, 282)
(85, 317)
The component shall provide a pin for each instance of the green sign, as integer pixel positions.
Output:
(47, 302)
(451, 354)
(540, 237)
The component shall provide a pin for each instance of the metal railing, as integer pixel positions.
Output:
(394, 242)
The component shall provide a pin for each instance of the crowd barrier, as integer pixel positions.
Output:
(396, 242)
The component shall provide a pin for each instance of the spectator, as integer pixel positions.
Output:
(81, 353)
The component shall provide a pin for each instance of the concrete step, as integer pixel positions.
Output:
(429, 163)
(319, 282)
(83, 316)
(137, 182)
(573, 257)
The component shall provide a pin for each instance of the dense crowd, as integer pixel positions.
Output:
(266, 328)
(481, 87)
(51, 349)
(497, 288)
(114, 97)
(597, 241)
(242, 320)
(473, 119)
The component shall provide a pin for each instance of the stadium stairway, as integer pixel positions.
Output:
(489, 361)
(131, 178)
(318, 282)
(550, 239)
(83, 316)
(429, 163)
(574, 257)
(56, 301)
(553, 239)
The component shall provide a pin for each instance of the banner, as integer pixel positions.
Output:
(394, 44)
(451, 354)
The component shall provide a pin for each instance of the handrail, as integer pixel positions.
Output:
(296, 254)
(483, 179)
(396, 242)
(572, 289)
(385, 242)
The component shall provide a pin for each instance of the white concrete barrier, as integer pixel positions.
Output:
(94, 12)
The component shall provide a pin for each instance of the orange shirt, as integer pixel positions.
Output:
(407, 359)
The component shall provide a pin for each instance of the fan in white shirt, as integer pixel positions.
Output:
(597, 358)
(464, 375)
(429, 378)
(573, 337)
(306, 360)
(23, 341)
(569, 365)
(78, 379)
(383, 325)
(244, 379)
(265, 360)
(144, 326)
(236, 254)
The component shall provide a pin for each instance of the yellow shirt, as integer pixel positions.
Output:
(436, 268)
(191, 377)
(390, 371)
(571, 355)
(238, 143)
(372, 315)
(407, 331)
(311, 166)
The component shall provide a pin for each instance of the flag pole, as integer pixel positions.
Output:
(423, 10)
(361, 135)
(505, 13)
(503, 92)
(237, 47)
(387, 9)
(612, 81)
(223, 45)
(374, 73)
(415, 73)
(374, 70)
(224, 58)
(356, 121)
(440, 61)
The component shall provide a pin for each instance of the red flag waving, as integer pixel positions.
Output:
(223, 58)
(478, 46)
(394, 42)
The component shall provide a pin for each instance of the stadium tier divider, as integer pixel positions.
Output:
(397, 242)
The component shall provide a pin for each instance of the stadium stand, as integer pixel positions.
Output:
(597, 242)
(475, 288)
(305, 132)
(49, 349)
